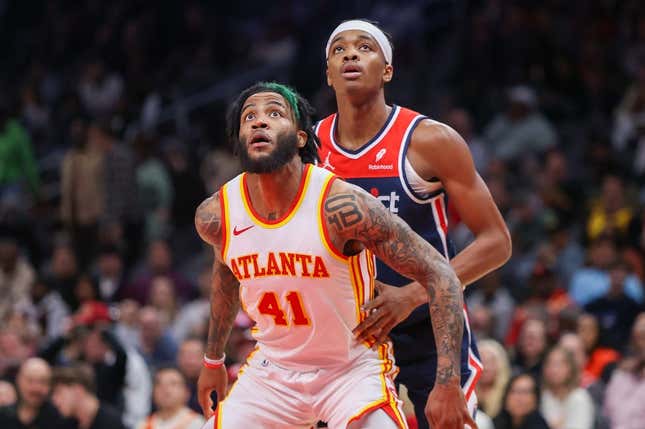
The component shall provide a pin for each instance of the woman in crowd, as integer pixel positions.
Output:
(497, 372)
(564, 404)
(521, 402)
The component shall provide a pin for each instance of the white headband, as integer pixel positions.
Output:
(370, 29)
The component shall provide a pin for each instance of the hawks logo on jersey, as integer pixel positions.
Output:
(280, 264)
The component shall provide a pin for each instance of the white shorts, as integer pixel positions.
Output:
(270, 397)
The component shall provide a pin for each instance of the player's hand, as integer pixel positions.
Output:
(391, 306)
(209, 380)
(447, 409)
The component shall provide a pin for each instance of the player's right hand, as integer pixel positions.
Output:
(209, 380)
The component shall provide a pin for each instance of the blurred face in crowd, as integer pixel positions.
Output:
(638, 334)
(574, 344)
(110, 265)
(159, 257)
(162, 293)
(189, 358)
(588, 331)
(491, 366)
(602, 253)
(65, 397)
(612, 193)
(63, 262)
(94, 348)
(8, 255)
(558, 369)
(84, 290)
(33, 382)
(8, 395)
(356, 63)
(617, 275)
(150, 324)
(459, 119)
(533, 338)
(170, 391)
(521, 399)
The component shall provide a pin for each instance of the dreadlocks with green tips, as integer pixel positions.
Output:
(302, 112)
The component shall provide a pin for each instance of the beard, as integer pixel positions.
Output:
(286, 148)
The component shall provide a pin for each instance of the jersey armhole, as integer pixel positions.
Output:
(322, 225)
(225, 216)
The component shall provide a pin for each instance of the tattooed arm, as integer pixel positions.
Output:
(224, 303)
(356, 217)
(356, 220)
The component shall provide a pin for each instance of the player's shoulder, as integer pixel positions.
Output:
(433, 133)
(208, 219)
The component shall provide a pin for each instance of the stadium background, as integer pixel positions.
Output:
(112, 131)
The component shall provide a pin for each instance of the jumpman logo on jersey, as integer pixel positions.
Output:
(327, 164)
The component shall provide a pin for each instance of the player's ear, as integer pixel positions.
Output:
(388, 73)
(302, 138)
(327, 74)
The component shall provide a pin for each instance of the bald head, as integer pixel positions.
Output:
(33, 382)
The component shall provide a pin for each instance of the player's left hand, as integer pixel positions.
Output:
(447, 409)
(391, 306)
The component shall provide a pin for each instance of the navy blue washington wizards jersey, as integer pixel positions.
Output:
(379, 168)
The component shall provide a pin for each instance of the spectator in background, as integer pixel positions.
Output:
(600, 358)
(8, 394)
(192, 319)
(90, 340)
(615, 311)
(122, 215)
(568, 254)
(50, 310)
(531, 347)
(560, 194)
(16, 276)
(162, 297)
(189, 362)
(460, 120)
(610, 214)
(159, 262)
(189, 191)
(18, 169)
(82, 192)
(99, 89)
(15, 348)
(33, 409)
(62, 274)
(73, 393)
(110, 273)
(494, 380)
(156, 345)
(170, 398)
(491, 293)
(564, 404)
(154, 187)
(625, 393)
(521, 130)
(593, 281)
(521, 405)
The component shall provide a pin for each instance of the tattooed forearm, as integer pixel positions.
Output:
(208, 220)
(224, 306)
(397, 245)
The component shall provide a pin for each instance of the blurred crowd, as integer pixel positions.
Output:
(104, 282)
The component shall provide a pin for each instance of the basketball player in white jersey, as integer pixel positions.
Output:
(294, 247)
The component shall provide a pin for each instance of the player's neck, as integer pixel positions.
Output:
(359, 120)
(272, 194)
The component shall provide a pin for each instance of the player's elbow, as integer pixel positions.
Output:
(504, 245)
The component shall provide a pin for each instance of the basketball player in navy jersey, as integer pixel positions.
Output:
(411, 163)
